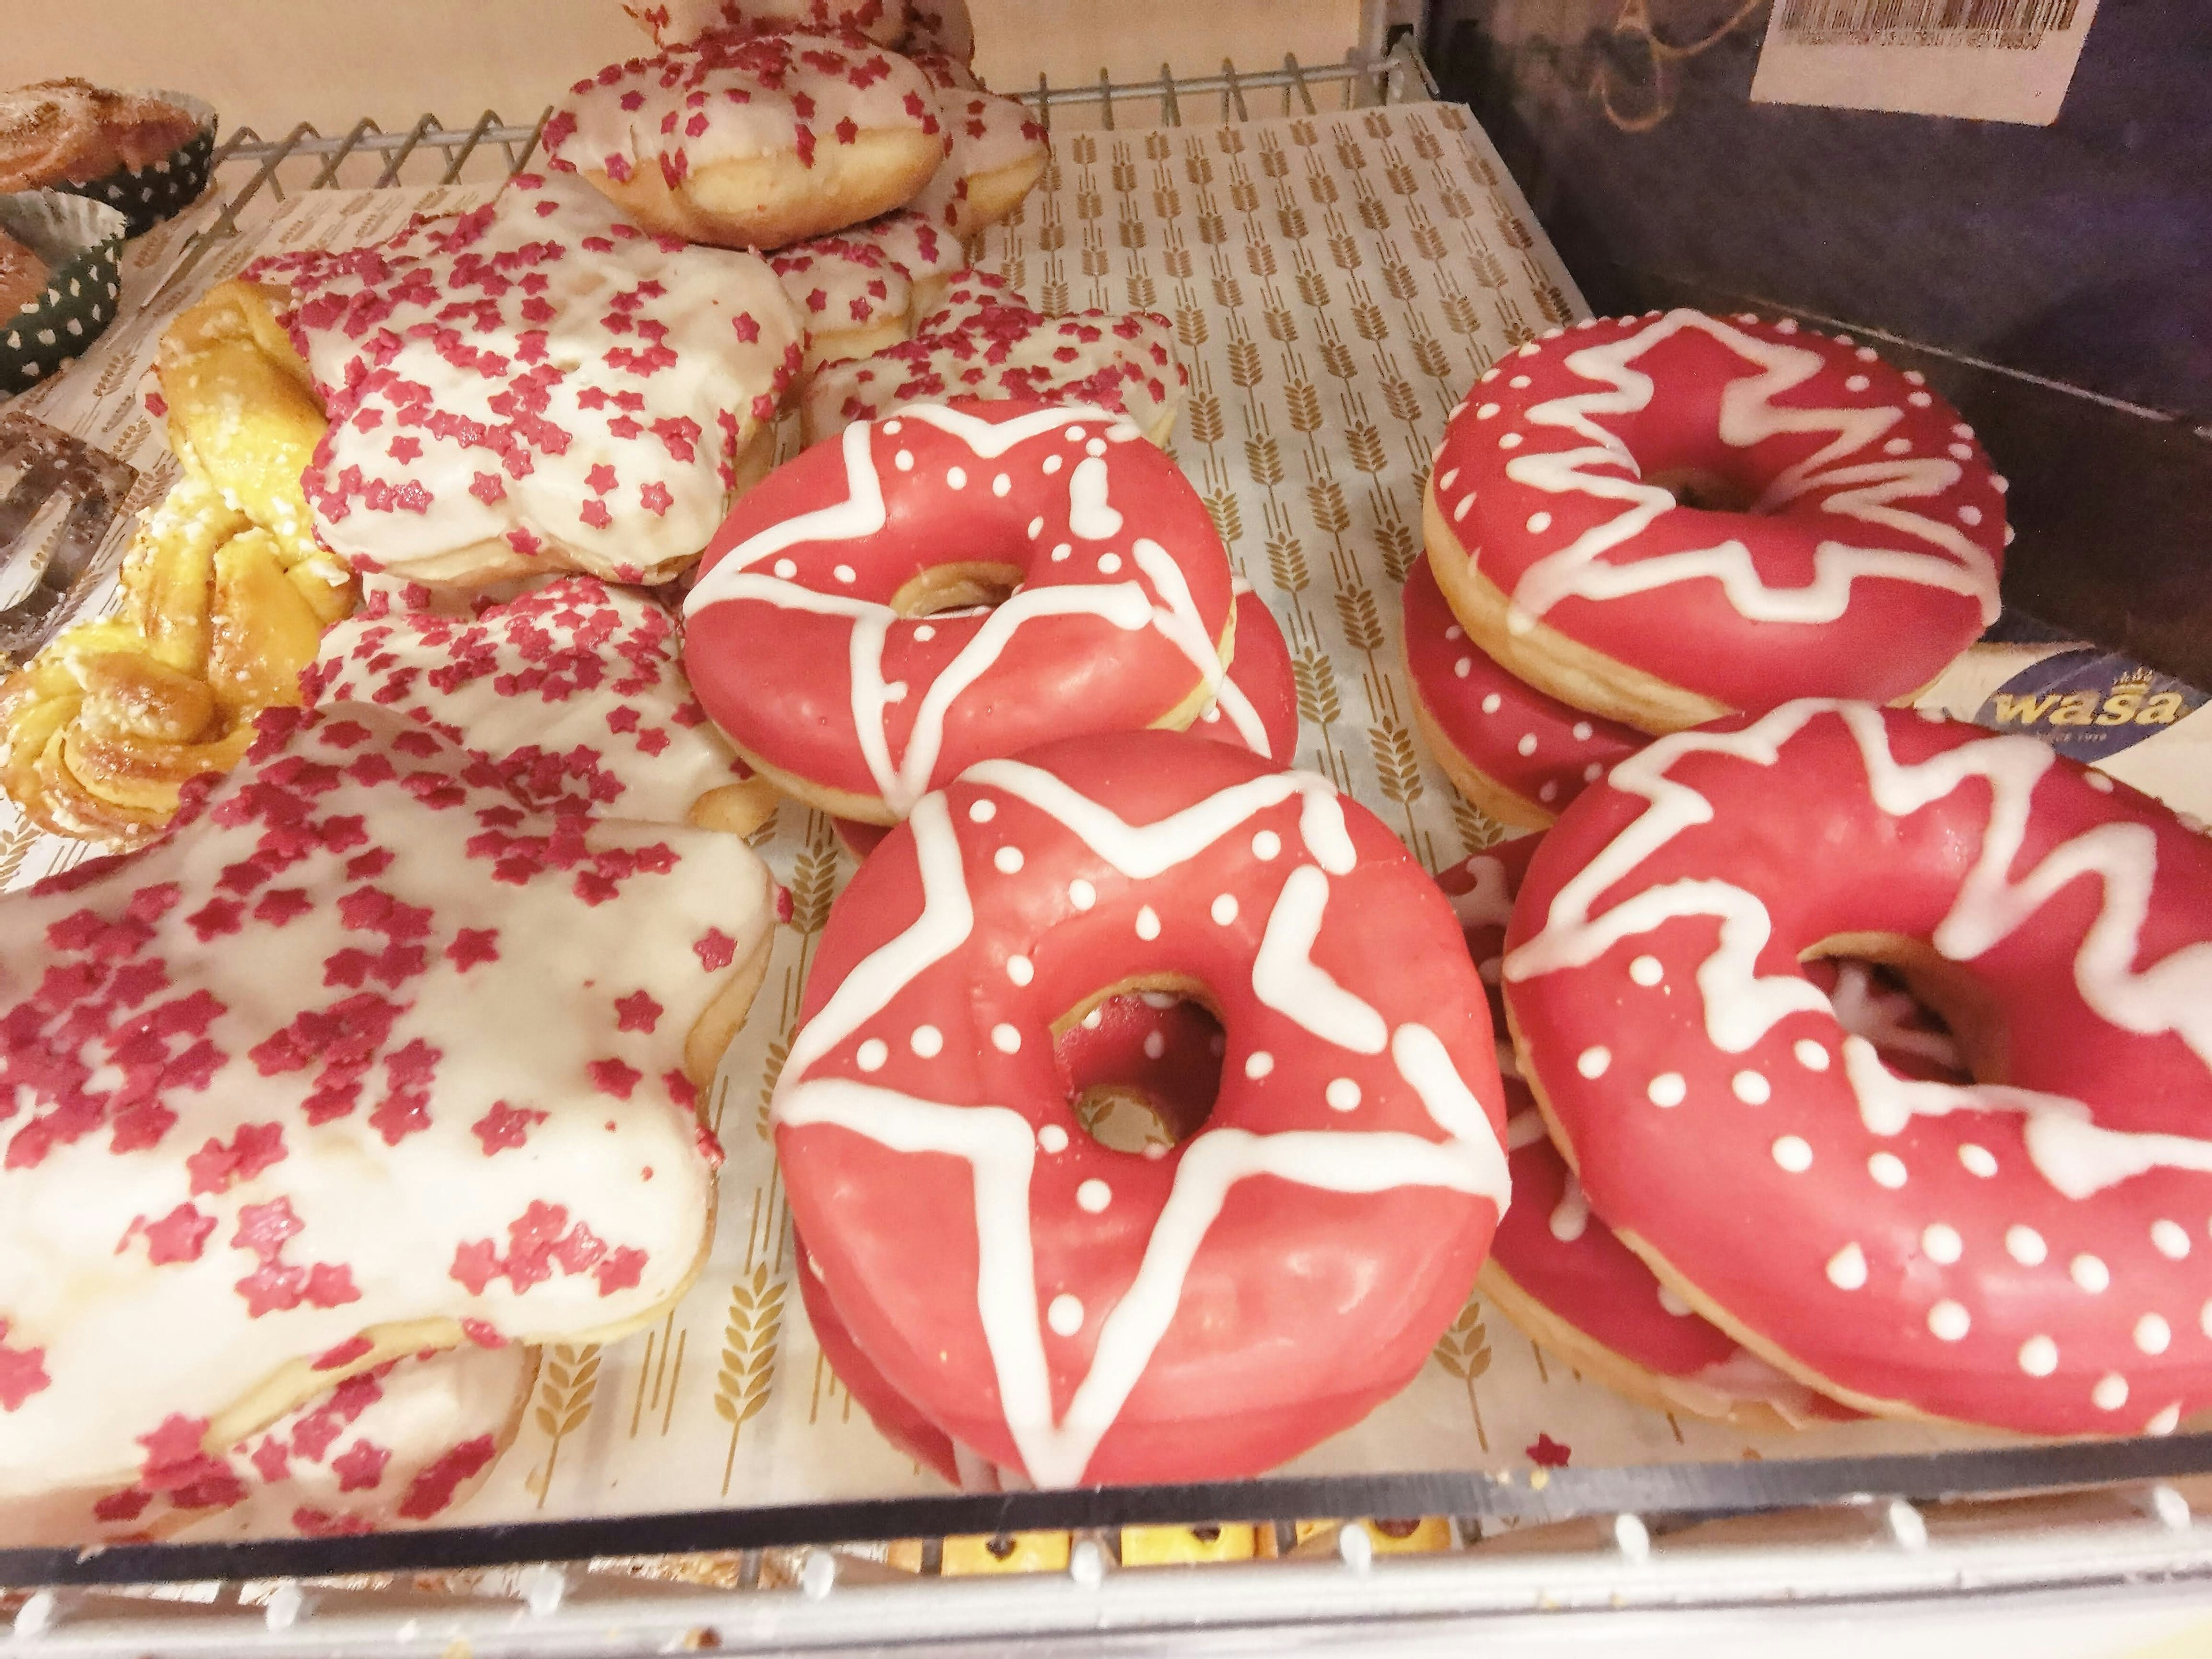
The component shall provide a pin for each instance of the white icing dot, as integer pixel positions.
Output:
(2110, 1392)
(1999, 482)
(1008, 859)
(1887, 1170)
(1094, 1019)
(1052, 465)
(2167, 1421)
(1751, 1088)
(1667, 1088)
(1538, 523)
(1258, 1064)
(1961, 452)
(1549, 793)
(895, 692)
(1053, 1137)
(1155, 1045)
(1787, 325)
(845, 572)
(1342, 1094)
(1455, 632)
(1065, 1315)
(1225, 908)
(1810, 1054)
(2097, 781)
(1593, 772)
(2153, 1334)
(1647, 971)
(1266, 845)
(2090, 1273)
(1978, 1160)
(1073, 434)
(1527, 746)
(1005, 1039)
(1001, 484)
(1592, 1062)
(955, 477)
(2204, 1319)
(1020, 969)
(872, 1055)
(1671, 1300)
(1942, 1243)
(1793, 1153)
(2009, 533)
(903, 460)
(925, 634)
(2039, 1356)
(1510, 441)
(1484, 411)
(1584, 731)
(1856, 383)
(1036, 528)
(1446, 483)
(2025, 1245)
(1081, 893)
(1094, 1196)
(1148, 922)
(2169, 1239)
(1920, 400)
(1095, 447)
(1948, 1321)
(1916, 377)
(927, 1041)
(982, 812)
(1108, 563)
(1897, 446)
(1465, 506)
(1519, 383)
(1060, 553)
(1864, 354)
(1492, 704)
(1847, 1268)
(1463, 667)
(786, 568)
(1970, 516)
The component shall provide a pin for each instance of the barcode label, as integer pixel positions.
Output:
(1984, 60)
(2018, 24)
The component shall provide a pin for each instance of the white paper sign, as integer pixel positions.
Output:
(1985, 60)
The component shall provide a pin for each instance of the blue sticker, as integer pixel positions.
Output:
(2088, 704)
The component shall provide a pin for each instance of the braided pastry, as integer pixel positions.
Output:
(243, 413)
(103, 727)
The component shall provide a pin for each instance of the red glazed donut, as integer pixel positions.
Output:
(1664, 519)
(2026, 1252)
(1074, 1313)
(805, 639)
(1518, 754)
(1555, 1269)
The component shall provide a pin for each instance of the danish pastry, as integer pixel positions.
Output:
(297, 1094)
(866, 287)
(986, 341)
(753, 140)
(70, 131)
(610, 396)
(995, 152)
(100, 730)
(243, 412)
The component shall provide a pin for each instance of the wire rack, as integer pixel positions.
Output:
(1867, 1533)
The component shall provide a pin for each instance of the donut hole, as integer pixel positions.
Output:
(972, 585)
(1140, 1066)
(1705, 491)
(1926, 1016)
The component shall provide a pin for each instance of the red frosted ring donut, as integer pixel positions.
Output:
(1255, 706)
(2028, 1251)
(1073, 1312)
(1518, 754)
(1555, 1269)
(1664, 519)
(805, 638)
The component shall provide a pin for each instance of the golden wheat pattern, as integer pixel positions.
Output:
(1334, 284)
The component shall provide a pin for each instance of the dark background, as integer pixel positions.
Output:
(2054, 283)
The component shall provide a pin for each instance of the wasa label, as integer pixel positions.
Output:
(2088, 704)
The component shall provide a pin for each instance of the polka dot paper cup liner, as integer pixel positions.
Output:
(80, 240)
(147, 195)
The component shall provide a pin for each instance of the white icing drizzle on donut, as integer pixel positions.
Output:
(1884, 1018)
(862, 513)
(1750, 413)
(2174, 995)
(999, 1144)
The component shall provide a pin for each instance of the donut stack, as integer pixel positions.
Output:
(1636, 524)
